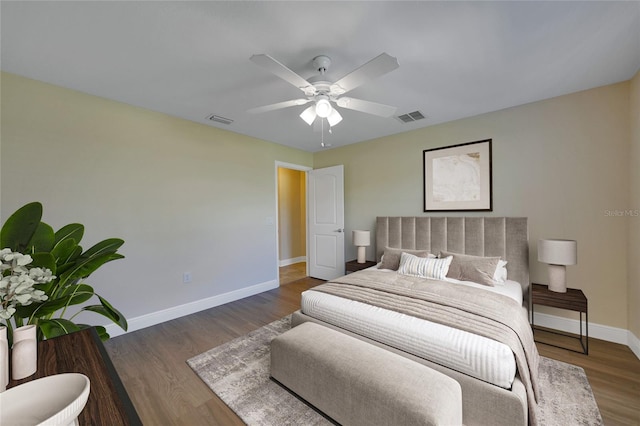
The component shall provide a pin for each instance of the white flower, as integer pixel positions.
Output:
(17, 281)
(40, 276)
(23, 259)
(5, 314)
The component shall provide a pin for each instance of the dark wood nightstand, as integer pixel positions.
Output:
(573, 300)
(353, 265)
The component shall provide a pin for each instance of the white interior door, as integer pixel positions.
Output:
(326, 222)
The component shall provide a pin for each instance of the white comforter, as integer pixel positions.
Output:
(468, 353)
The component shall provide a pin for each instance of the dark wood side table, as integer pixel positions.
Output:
(573, 300)
(83, 352)
(353, 265)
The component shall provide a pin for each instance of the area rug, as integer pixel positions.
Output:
(238, 372)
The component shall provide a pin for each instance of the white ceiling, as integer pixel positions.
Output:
(191, 59)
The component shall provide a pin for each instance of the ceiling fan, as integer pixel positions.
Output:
(323, 93)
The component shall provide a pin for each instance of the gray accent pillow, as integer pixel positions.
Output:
(391, 257)
(477, 269)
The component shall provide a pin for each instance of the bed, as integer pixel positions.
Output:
(496, 375)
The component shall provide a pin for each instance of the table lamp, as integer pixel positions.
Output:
(361, 239)
(558, 254)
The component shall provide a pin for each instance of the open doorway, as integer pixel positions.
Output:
(292, 222)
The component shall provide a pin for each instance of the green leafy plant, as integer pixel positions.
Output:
(24, 234)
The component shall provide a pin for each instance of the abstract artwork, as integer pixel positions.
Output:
(458, 177)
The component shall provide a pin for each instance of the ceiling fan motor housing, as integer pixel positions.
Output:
(322, 63)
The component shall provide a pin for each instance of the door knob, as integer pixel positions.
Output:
(339, 230)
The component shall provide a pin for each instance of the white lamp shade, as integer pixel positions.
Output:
(334, 118)
(558, 252)
(309, 115)
(361, 238)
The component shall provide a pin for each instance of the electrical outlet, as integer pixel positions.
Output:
(186, 277)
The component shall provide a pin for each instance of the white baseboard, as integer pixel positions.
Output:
(174, 312)
(287, 262)
(634, 344)
(598, 331)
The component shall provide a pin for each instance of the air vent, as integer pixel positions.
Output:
(219, 119)
(411, 117)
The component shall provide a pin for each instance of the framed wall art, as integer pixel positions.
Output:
(458, 177)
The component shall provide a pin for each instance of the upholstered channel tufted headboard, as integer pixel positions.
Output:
(507, 237)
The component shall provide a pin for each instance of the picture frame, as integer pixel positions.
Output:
(458, 177)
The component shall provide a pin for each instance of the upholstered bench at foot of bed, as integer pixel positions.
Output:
(356, 383)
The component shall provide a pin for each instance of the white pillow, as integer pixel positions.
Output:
(500, 276)
(433, 268)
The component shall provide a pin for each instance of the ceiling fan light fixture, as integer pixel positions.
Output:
(323, 108)
(321, 92)
(309, 115)
(334, 118)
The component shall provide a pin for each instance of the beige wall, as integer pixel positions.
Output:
(292, 213)
(634, 205)
(185, 197)
(562, 162)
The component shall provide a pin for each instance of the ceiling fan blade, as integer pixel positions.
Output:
(376, 67)
(272, 65)
(279, 105)
(374, 108)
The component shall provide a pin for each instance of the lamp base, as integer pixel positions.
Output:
(558, 278)
(362, 254)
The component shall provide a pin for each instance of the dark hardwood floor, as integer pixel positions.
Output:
(165, 391)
